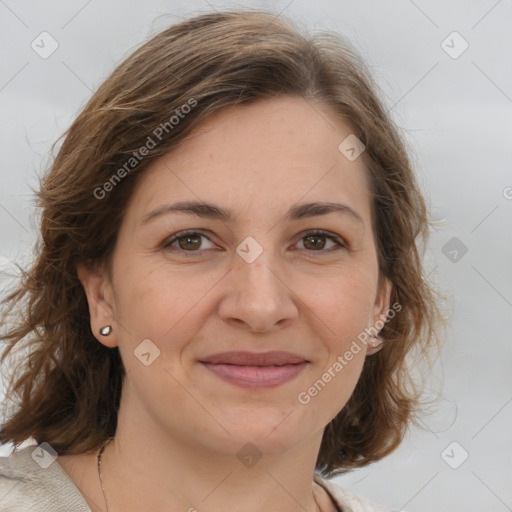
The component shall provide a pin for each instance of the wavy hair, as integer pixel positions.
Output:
(66, 390)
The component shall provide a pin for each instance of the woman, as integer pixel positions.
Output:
(228, 283)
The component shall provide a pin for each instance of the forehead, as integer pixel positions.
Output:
(264, 156)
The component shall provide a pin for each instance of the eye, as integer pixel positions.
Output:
(313, 241)
(188, 241)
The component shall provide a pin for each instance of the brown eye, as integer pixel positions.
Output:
(188, 241)
(317, 241)
(314, 242)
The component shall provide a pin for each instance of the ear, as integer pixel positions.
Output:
(380, 312)
(98, 289)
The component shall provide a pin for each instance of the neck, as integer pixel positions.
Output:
(153, 471)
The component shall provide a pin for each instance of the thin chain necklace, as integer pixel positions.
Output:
(100, 453)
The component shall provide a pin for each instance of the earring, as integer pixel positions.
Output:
(105, 331)
(375, 341)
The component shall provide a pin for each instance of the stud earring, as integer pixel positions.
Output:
(105, 331)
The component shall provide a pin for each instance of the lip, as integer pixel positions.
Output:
(274, 358)
(255, 370)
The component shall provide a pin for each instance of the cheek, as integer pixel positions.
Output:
(345, 314)
(158, 302)
(341, 301)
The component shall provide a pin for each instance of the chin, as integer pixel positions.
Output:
(274, 432)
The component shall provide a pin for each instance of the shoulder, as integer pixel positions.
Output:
(346, 500)
(31, 480)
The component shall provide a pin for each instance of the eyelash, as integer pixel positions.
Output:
(318, 232)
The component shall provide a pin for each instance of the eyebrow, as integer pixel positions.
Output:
(212, 211)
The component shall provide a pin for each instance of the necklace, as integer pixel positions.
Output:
(100, 453)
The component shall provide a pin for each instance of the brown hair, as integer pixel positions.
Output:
(67, 390)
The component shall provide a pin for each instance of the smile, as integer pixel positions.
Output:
(256, 376)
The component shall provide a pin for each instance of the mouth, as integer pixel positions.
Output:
(264, 370)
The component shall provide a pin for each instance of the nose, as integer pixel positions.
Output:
(257, 296)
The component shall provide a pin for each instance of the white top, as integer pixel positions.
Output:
(26, 486)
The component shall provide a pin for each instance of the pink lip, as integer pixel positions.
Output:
(253, 370)
(256, 376)
(275, 358)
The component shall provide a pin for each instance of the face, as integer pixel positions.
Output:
(249, 303)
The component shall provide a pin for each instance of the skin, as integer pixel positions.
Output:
(180, 426)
